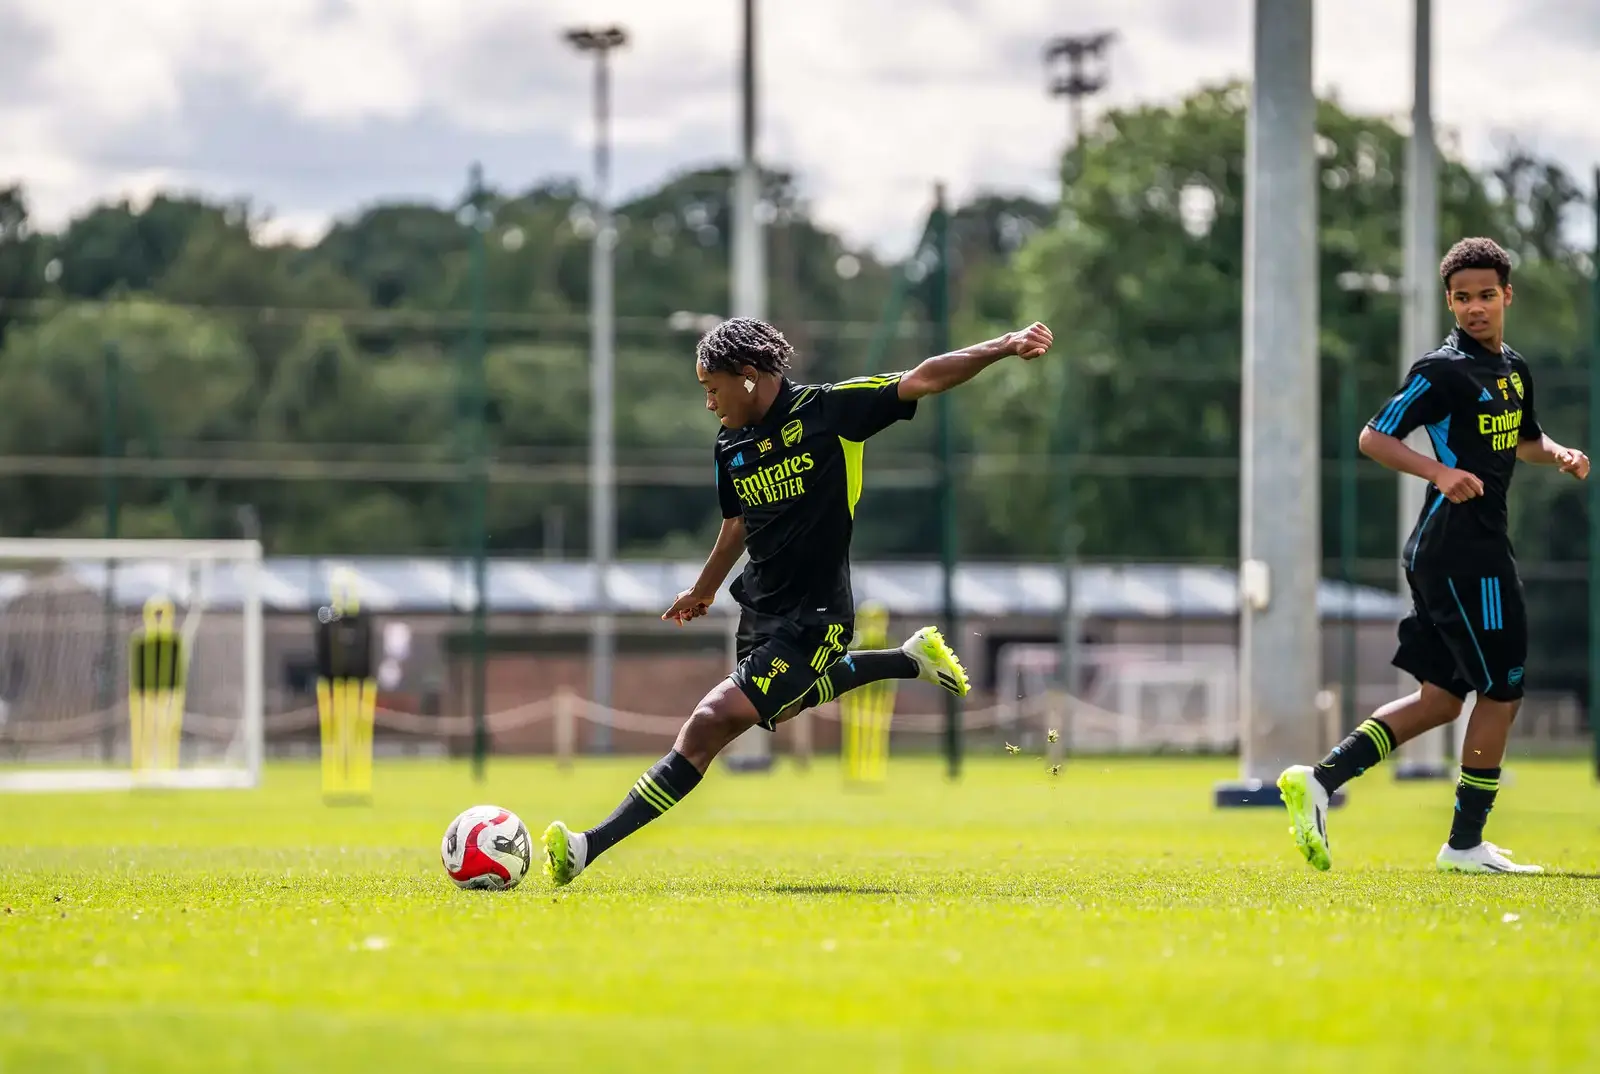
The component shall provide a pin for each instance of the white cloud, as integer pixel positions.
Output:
(872, 101)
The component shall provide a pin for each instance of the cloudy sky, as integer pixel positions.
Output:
(312, 107)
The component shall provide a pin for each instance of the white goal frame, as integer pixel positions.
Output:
(245, 556)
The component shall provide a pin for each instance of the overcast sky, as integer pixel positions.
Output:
(313, 107)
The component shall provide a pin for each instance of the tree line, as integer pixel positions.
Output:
(236, 371)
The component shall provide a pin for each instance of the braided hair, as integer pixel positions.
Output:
(743, 341)
(1476, 254)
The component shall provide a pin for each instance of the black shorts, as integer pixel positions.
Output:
(1467, 632)
(780, 662)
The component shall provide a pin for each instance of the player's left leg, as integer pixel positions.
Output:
(722, 716)
(1496, 620)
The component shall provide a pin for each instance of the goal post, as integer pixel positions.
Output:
(129, 663)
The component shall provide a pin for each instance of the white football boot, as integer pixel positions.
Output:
(1307, 802)
(1483, 858)
(565, 853)
(936, 661)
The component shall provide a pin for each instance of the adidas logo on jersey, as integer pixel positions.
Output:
(1486, 397)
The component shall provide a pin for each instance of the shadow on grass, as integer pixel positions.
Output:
(834, 889)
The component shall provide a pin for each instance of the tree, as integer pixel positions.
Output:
(181, 378)
(21, 274)
(1143, 265)
(118, 247)
(393, 252)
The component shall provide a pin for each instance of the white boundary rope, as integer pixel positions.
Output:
(564, 707)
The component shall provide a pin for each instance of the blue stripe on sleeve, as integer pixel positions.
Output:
(1389, 420)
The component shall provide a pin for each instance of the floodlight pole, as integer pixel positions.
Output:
(1594, 484)
(948, 532)
(600, 42)
(1078, 80)
(1424, 757)
(751, 751)
(480, 221)
(1075, 82)
(749, 269)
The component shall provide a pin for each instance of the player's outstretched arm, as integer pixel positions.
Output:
(1457, 485)
(1546, 452)
(945, 371)
(695, 601)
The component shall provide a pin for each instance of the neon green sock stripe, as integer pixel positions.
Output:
(1374, 731)
(648, 794)
(652, 794)
(666, 795)
(1480, 783)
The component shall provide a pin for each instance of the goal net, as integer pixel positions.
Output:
(129, 663)
(1129, 698)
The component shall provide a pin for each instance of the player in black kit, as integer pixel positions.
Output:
(1468, 629)
(788, 472)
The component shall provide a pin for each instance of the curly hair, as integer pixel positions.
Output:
(744, 341)
(1476, 254)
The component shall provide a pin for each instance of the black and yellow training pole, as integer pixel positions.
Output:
(158, 668)
(347, 696)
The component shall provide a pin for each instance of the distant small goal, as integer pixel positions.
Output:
(130, 663)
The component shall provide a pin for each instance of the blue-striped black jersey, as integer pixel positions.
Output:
(1476, 406)
(795, 477)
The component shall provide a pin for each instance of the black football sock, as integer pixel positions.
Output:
(1474, 798)
(657, 791)
(858, 669)
(1368, 744)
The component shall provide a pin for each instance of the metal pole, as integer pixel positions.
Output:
(110, 449)
(1424, 757)
(602, 473)
(749, 270)
(479, 503)
(1068, 430)
(947, 493)
(1348, 535)
(752, 751)
(1594, 485)
(1280, 528)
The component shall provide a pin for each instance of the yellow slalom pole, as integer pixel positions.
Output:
(347, 696)
(157, 679)
(865, 713)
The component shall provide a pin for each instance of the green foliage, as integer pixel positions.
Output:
(351, 350)
(21, 267)
(1147, 302)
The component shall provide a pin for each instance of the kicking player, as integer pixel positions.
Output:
(1468, 630)
(788, 468)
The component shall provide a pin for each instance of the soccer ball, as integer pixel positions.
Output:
(487, 848)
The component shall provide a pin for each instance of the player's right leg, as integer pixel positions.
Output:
(924, 655)
(722, 716)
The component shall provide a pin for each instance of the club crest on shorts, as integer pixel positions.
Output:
(1514, 676)
(791, 434)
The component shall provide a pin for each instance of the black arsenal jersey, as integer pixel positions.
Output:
(795, 476)
(1477, 406)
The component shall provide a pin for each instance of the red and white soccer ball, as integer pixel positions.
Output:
(486, 848)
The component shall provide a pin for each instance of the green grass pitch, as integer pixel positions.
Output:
(1104, 920)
